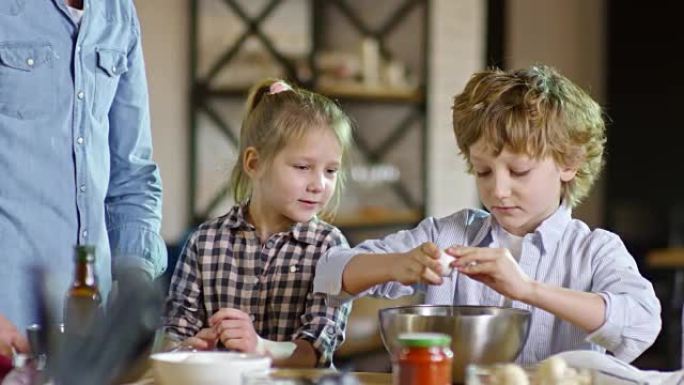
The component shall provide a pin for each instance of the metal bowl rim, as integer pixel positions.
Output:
(387, 310)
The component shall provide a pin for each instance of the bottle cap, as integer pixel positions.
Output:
(85, 253)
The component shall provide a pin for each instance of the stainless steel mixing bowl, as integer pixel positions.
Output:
(479, 334)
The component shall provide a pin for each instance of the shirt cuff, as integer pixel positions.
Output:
(328, 277)
(325, 342)
(609, 335)
(137, 247)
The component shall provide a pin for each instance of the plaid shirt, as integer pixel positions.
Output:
(224, 265)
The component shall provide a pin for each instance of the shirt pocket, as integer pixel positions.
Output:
(27, 80)
(111, 64)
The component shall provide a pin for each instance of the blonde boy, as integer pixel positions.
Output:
(534, 142)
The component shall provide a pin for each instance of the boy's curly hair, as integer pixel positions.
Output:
(535, 111)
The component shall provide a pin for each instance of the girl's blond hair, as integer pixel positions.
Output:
(277, 113)
(538, 112)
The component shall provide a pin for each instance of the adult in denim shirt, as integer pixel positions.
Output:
(75, 148)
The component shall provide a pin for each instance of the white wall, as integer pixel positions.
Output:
(165, 43)
(458, 33)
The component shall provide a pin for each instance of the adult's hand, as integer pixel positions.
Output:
(11, 338)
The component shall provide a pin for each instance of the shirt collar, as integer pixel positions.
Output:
(550, 230)
(236, 218)
(304, 232)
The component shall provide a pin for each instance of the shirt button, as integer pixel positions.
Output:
(330, 330)
(78, 48)
(114, 69)
(293, 269)
(270, 243)
(30, 62)
(85, 233)
(82, 188)
(79, 140)
(80, 94)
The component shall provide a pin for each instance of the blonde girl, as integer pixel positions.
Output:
(244, 280)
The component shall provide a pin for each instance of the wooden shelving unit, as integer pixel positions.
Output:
(207, 92)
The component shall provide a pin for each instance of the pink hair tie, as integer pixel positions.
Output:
(278, 87)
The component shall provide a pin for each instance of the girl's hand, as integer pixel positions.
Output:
(205, 339)
(495, 267)
(235, 330)
(418, 265)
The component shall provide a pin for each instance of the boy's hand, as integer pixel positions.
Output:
(495, 267)
(235, 330)
(418, 265)
(205, 339)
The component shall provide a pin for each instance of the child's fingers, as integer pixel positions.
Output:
(207, 334)
(462, 251)
(227, 313)
(431, 264)
(430, 249)
(428, 256)
(197, 343)
(431, 277)
(474, 255)
(232, 333)
(239, 344)
(477, 268)
(232, 324)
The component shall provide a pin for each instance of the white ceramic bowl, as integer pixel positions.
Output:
(205, 368)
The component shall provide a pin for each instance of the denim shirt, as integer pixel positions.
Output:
(562, 252)
(75, 148)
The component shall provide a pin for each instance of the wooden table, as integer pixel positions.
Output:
(365, 378)
(672, 259)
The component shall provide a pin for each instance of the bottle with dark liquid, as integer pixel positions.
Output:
(82, 308)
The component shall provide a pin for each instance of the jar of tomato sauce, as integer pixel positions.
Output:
(422, 359)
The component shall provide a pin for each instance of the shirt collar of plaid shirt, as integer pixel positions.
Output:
(305, 232)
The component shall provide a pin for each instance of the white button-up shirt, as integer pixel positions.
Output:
(562, 251)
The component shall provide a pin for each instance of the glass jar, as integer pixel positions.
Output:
(422, 359)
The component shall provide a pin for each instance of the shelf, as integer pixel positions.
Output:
(377, 217)
(362, 92)
(345, 91)
(377, 136)
(671, 258)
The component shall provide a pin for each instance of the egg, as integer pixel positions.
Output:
(445, 263)
(510, 374)
(551, 371)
